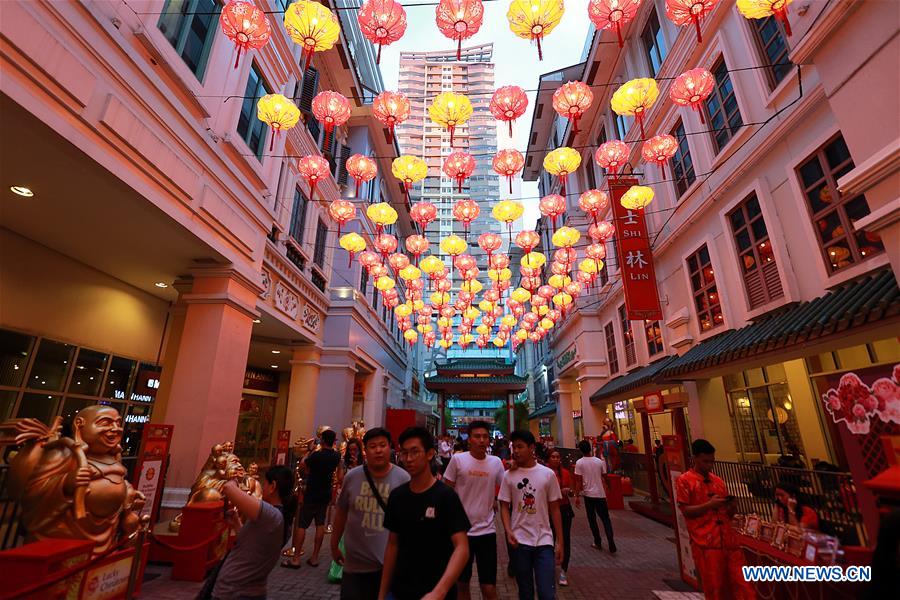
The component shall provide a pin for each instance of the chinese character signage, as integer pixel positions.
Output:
(653, 402)
(635, 259)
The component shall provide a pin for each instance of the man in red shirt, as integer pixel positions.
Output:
(703, 498)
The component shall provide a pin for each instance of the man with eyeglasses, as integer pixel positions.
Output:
(427, 546)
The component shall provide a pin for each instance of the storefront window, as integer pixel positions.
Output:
(764, 422)
(254, 431)
(135, 419)
(7, 400)
(15, 348)
(88, 373)
(119, 377)
(51, 365)
(38, 406)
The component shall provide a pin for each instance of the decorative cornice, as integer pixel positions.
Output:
(878, 166)
(833, 15)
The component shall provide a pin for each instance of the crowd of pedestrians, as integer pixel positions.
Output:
(418, 519)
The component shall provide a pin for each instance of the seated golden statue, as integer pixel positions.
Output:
(221, 466)
(74, 489)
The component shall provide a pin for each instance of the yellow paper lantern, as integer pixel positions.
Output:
(637, 197)
(312, 26)
(453, 245)
(431, 264)
(473, 287)
(559, 281)
(520, 295)
(449, 110)
(472, 313)
(382, 214)
(409, 169)
(466, 339)
(483, 329)
(566, 237)
(760, 9)
(533, 260)
(352, 243)
(562, 300)
(534, 19)
(634, 98)
(542, 310)
(547, 324)
(384, 283)
(403, 310)
(445, 344)
(521, 335)
(562, 162)
(486, 306)
(507, 211)
(418, 305)
(425, 328)
(444, 322)
(590, 266)
(409, 272)
(499, 342)
(411, 336)
(499, 275)
(440, 298)
(508, 320)
(277, 112)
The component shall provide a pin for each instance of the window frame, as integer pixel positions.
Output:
(655, 343)
(628, 344)
(689, 175)
(184, 26)
(772, 74)
(612, 355)
(298, 222)
(320, 245)
(753, 250)
(704, 289)
(652, 42)
(727, 128)
(251, 97)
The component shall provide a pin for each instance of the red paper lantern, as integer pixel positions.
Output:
(682, 12)
(499, 261)
(508, 163)
(659, 149)
(490, 242)
(597, 251)
(368, 259)
(417, 245)
(612, 14)
(313, 168)
(245, 25)
(361, 169)
(459, 20)
(391, 109)
(332, 110)
(558, 268)
(602, 231)
(612, 155)
(398, 261)
(508, 104)
(552, 206)
(466, 211)
(383, 22)
(341, 211)
(527, 240)
(458, 166)
(565, 256)
(593, 202)
(571, 100)
(692, 88)
(385, 243)
(464, 262)
(423, 213)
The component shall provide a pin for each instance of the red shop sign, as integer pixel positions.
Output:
(635, 258)
(653, 402)
(153, 460)
(283, 444)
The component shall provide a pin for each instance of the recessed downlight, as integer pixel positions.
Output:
(257, 321)
(274, 366)
(161, 284)
(276, 351)
(21, 190)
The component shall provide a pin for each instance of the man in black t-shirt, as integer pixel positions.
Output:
(319, 468)
(427, 547)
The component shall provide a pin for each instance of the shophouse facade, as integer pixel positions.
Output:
(777, 209)
(171, 261)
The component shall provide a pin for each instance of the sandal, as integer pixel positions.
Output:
(287, 564)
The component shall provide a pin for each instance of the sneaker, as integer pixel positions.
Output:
(563, 580)
(597, 545)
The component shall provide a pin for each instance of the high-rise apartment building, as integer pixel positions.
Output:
(423, 75)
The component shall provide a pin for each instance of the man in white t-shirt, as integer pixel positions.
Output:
(589, 471)
(445, 450)
(529, 499)
(476, 476)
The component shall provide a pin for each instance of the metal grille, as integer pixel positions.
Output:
(832, 495)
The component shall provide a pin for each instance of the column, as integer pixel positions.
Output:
(565, 435)
(301, 404)
(203, 370)
(334, 397)
(648, 452)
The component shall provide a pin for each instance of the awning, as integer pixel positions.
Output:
(875, 298)
(547, 409)
(631, 381)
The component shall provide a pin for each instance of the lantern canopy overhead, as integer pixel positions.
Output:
(692, 88)
(684, 12)
(508, 103)
(571, 101)
(450, 110)
(391, 109)
(312, 168)
(459, 20)
(312, 26)
(534, 19)
(613, 14)
(634, 98)
(507, 163)
(332, 110)
(245, 25)
(277, 112)
(382, 22)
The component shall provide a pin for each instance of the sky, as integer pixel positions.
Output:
(516, 62)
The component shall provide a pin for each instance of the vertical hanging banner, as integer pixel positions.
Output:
(635, 259)
(152, 464)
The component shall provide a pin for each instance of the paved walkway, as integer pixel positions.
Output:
(645, 567)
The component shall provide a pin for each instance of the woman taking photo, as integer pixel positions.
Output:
(564, 476)
(788, 508)
(246, 568)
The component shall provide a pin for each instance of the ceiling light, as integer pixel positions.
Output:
(274, 366)
(276, 351)
(257, 321)
(21, 190)
(161, 284)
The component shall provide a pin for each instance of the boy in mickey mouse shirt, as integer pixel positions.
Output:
(529, 497)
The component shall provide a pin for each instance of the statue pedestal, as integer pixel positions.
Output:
(201, 541)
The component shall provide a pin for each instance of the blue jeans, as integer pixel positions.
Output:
(535, 565)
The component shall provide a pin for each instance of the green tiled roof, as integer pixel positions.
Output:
(474, 364)
(496, 379)
(547, 409)
(632, 380)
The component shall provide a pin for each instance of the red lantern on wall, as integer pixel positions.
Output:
(459, 166)
(507, 163)
(459, 20)
(593, 202)
(692, 88)
(612, 14)
(391, 109)
(552, 206)
(612, 155)
(312, 169)
(383, 22)
(660, 149)
(245, 25)
(341, 211)
(332, 110)
(361, 169)
(508, 104)
(682, 12)
(423, 213)
(571, 100)
(466, 211)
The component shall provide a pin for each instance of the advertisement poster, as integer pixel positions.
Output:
(653, 402)
(108, 581)
(148, 481)
(282, 446)
(149, 476)
(683, 540)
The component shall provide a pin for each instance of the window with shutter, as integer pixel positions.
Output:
(755, 256)
(682, 164)
(321, 240)
(653, 331)
(309, 87)
(703, 284)
(723, 115)
(342, 176)
(612, 358)
(249, 127)
(628, 336)
(298, 216)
